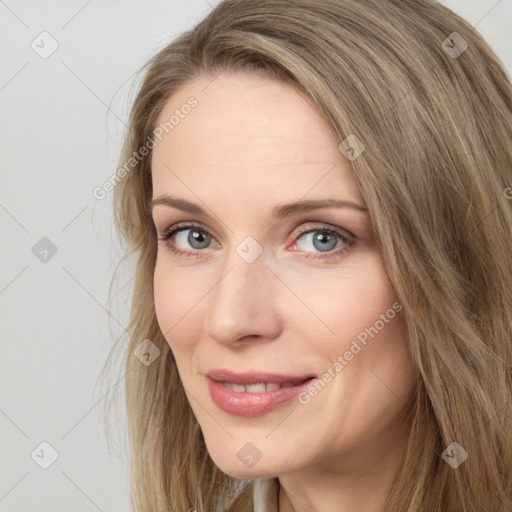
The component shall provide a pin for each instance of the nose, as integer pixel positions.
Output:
(242, 302)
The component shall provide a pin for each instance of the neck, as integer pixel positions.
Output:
(362, 482)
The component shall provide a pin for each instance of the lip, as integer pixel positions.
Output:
(248, 404)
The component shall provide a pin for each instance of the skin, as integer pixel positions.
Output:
(252, 143)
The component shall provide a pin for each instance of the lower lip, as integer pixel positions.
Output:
(251, 405)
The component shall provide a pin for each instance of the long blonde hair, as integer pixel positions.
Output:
(434, 111)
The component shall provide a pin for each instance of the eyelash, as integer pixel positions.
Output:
(347, 238)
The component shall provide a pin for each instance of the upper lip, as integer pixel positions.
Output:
(247, 378)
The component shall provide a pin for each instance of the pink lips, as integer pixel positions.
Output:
(252, 404)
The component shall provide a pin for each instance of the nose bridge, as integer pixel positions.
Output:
(244, 270)
(240, 302)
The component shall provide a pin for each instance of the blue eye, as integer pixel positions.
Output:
(325, 239)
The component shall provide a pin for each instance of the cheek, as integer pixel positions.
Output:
(353, 303)
(174, 297)
(163, 296)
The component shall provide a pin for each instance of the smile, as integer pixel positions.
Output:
(253, 394)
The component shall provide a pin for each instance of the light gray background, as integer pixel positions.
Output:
(59, 141)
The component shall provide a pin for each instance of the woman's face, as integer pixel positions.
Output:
(274, 294)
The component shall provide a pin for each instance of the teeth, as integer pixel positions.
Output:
(255, 388)
(260, 387)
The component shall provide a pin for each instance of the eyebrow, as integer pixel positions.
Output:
(278, 211)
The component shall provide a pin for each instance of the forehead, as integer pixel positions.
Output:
(249, 136)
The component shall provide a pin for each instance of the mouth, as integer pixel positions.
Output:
(254, 394)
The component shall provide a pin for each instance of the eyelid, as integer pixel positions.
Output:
(315, 226)
(322, 226)
(184, 226)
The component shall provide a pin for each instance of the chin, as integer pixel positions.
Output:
(236, 467)
(247, 474)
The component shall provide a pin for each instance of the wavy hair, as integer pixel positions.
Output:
(435, 117)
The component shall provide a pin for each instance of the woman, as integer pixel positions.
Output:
(298, 356)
